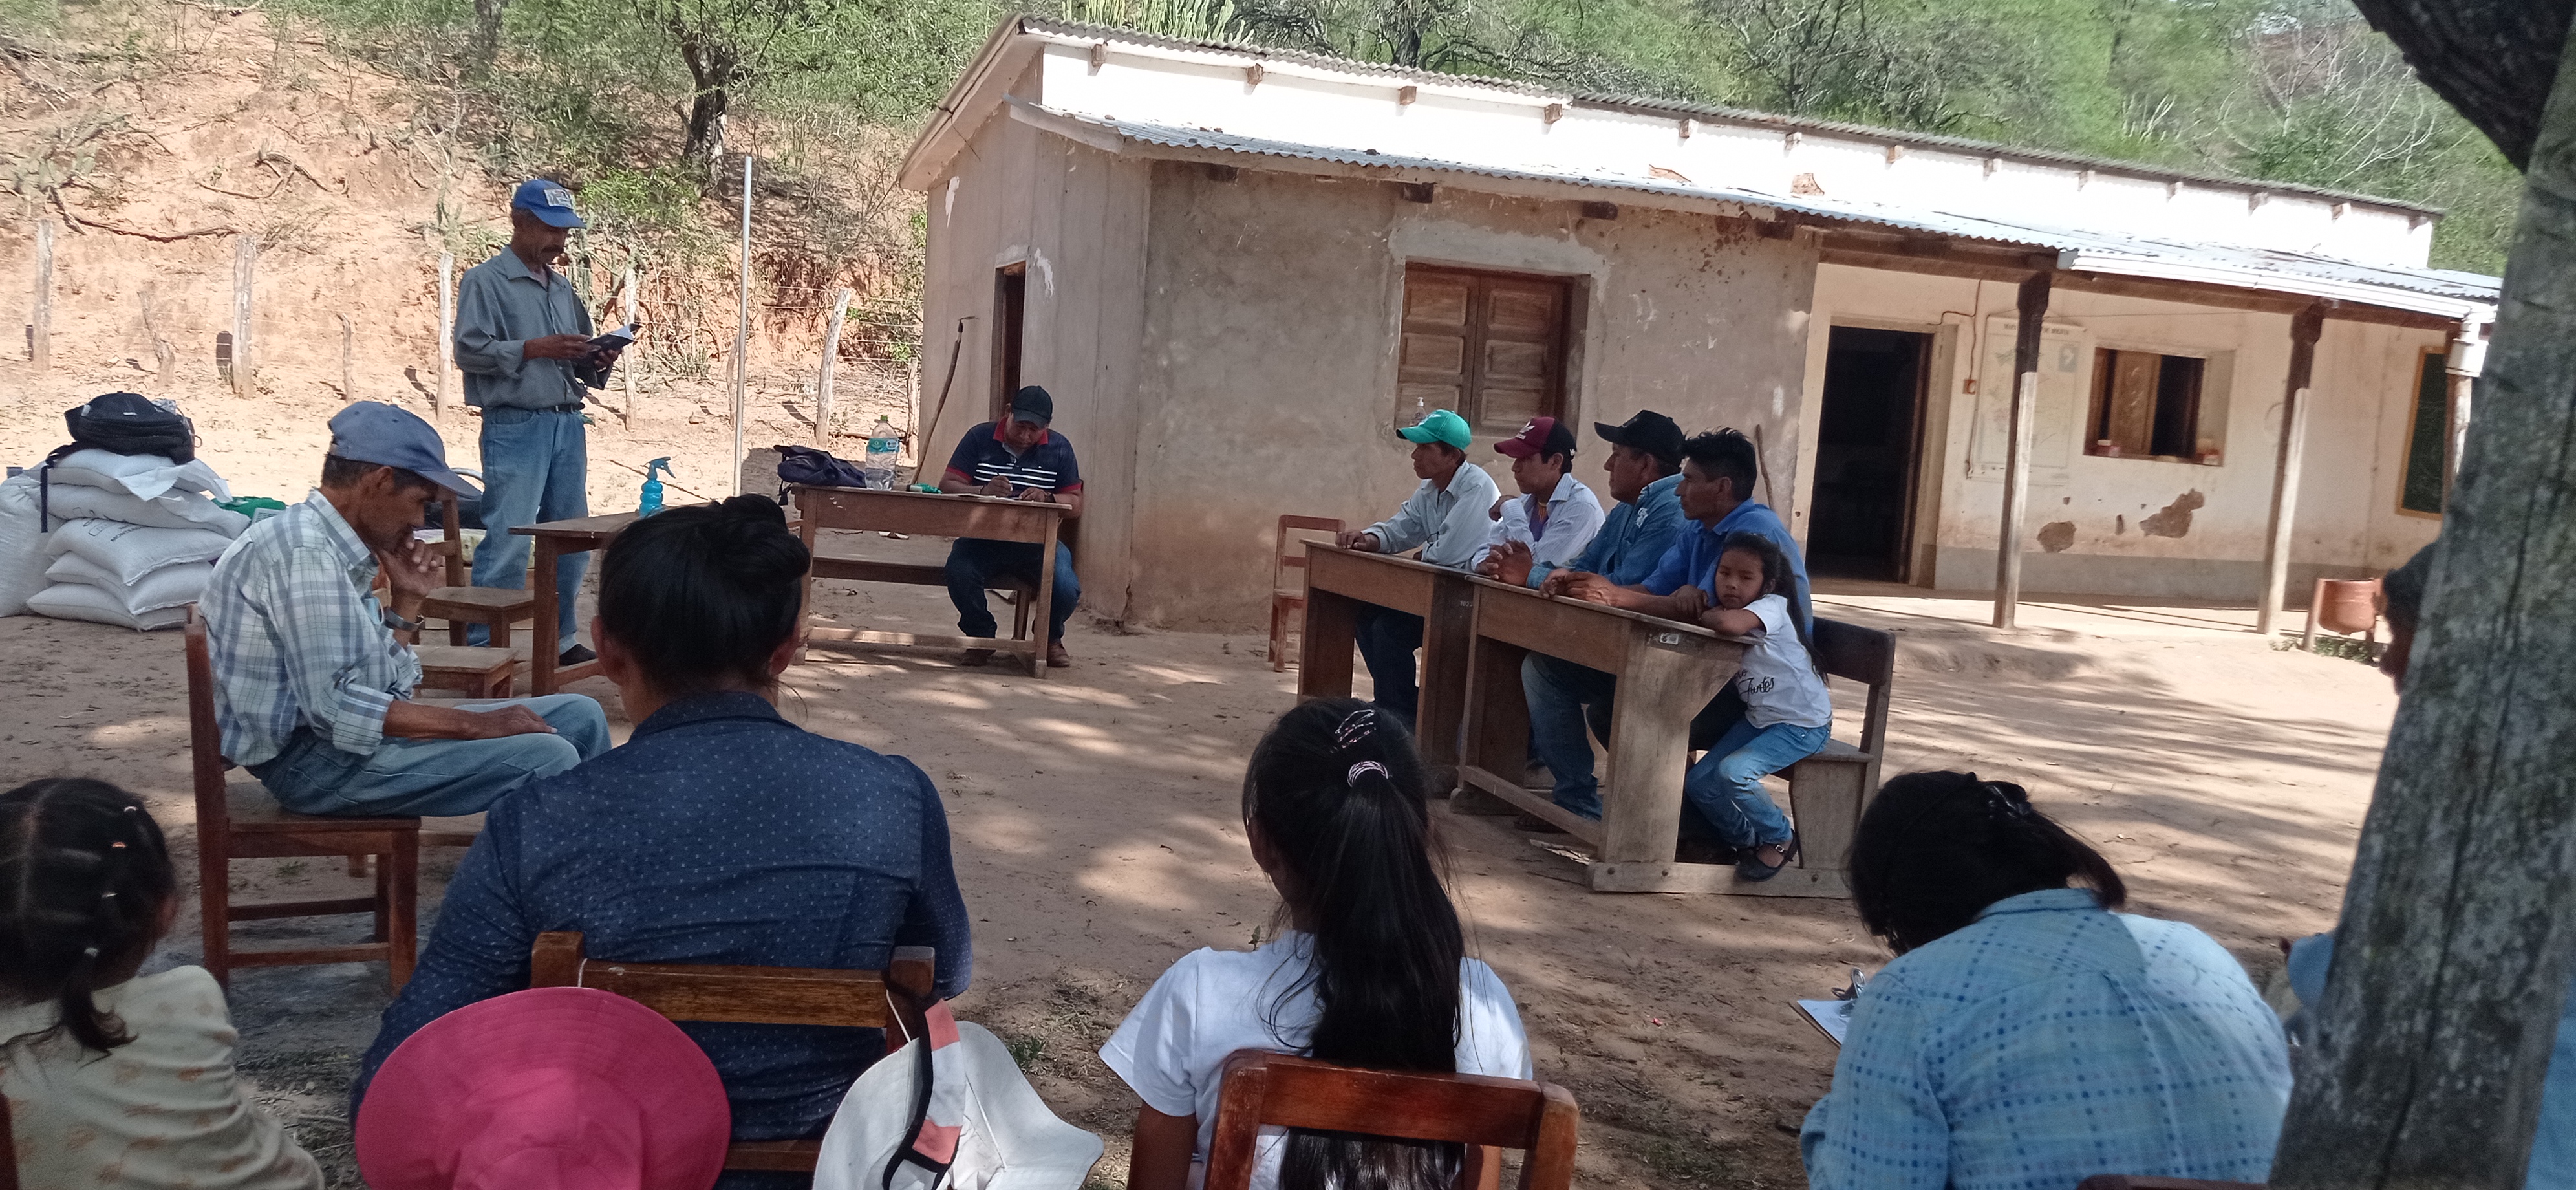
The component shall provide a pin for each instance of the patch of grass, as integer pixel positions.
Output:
(2342, 648)
(1027, 1052)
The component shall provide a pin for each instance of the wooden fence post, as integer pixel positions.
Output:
(348, 358)
(2025, 412)
(245, 269)
(823, 380)
(636, 364)
(165, 358)
(40, 325)
(446, 328)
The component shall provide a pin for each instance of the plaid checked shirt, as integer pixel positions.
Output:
(298, 638)
(2049, 1042)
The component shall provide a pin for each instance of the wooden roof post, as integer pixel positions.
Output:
(2025, 401)
(2460, 367)
(2304, 327)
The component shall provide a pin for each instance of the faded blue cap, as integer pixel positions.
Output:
(549, 201)
(392, 436)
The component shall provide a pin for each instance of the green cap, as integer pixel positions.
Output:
(1439, 425)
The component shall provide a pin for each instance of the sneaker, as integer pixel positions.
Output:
(576, 655)
(975, 657)
(1057, 658)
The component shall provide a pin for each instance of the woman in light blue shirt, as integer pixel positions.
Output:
(2027, 1037)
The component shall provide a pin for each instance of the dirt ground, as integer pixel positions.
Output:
(1097, 838)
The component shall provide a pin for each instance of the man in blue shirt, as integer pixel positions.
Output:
(1016, 458)
(1718, 473)
(1645, 475)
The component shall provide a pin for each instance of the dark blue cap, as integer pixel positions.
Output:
(549, 201)
(1033, 404)
(392, 436)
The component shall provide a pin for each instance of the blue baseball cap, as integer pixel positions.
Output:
(1439, 425)
(549, 201)
(392, 436)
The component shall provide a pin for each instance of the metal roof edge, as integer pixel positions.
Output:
(1649, 105)
(945, 114)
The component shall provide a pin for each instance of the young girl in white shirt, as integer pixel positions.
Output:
(114, 1078)
(1788, 714)
(1371, 972)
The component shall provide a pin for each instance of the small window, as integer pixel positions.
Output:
(1489, 346)
(2146, 406)
(2428, 439)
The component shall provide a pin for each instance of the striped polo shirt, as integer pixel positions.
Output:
(1048, 466)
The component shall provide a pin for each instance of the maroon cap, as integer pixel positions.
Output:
(1542, 436)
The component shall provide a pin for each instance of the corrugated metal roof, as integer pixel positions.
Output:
(1677, 108)
(2442, 291)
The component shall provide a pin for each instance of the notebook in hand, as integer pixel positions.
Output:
(1830, 1017)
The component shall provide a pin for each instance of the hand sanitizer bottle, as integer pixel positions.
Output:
(652, 502)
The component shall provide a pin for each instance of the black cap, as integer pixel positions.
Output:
(1650, 432)
(1033, 404)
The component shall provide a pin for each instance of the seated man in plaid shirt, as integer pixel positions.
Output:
(314, 677)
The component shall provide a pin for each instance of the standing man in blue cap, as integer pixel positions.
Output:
(523, 342)
(314, 676)
(1449, 515)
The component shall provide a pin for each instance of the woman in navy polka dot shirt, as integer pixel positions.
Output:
(719, 833)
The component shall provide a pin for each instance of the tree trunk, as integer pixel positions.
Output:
(2457, 939)
(487, 37)
(2491, 59)
(714, 68)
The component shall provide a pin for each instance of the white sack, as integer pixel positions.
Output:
(129, 552)
(80, 601)
(22, 545)
(143, 476)
(175, 585)
(174, 510)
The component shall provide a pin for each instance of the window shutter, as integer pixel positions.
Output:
(1490, 347)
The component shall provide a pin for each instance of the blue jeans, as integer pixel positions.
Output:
(535, 468)
(1565, 699)
(434, 778)
(1387, 640)
(1725, 787)
(974, 562)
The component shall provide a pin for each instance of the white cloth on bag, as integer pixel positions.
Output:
(1778, 680)
(144, 476)
(1172, 1048)
(173, 510)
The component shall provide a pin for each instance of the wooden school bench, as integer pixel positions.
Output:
(928, 515)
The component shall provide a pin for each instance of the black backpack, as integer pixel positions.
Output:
(804, 464)
(130, 424)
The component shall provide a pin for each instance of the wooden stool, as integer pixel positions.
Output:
(239, 820)
(480, 672)
(460, 605)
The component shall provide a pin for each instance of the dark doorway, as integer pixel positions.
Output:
(1866, 446)
(1010, 305)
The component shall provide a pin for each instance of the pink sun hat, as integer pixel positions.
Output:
(570, 1088)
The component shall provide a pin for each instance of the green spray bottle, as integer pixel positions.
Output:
(652, 502)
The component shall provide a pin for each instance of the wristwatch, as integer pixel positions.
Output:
(394, 621)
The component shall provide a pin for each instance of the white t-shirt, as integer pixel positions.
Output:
(1172, 1048)
(1779, 681)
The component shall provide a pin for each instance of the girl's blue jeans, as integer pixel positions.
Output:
(1725, 787)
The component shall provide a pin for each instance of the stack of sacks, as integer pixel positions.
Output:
(134, 536)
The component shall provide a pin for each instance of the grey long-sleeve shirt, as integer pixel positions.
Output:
(500, 305)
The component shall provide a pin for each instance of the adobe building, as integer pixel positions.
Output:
(1239, 269)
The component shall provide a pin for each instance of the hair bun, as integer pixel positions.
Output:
(749, 507)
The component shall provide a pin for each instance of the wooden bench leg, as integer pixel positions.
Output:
(1825, 797)
(401, 899)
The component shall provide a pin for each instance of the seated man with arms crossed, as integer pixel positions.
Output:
(314, 677)
(1450, 516)
(1556, 516)
(1016, 458)
(1718, 473)
(1645, 479)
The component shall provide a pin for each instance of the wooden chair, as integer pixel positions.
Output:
(1828, 791)
(461, 604)
(894, 997)
(1485, 1114)
(1288, 580)
(241, 821)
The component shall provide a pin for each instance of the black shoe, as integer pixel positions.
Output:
(576, 655)
(1751, 869)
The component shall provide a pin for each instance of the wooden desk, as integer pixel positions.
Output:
(554, 540)
(1338, 581)
(926, 515)
(1667, 672)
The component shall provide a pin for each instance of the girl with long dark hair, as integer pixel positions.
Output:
(2027, 1036)
(1372, 970)
(113, 1077)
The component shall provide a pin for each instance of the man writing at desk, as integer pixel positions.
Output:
(1449, 516)
(1016, 458)
(1718, 473)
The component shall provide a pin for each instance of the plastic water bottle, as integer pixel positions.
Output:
(884, 447)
